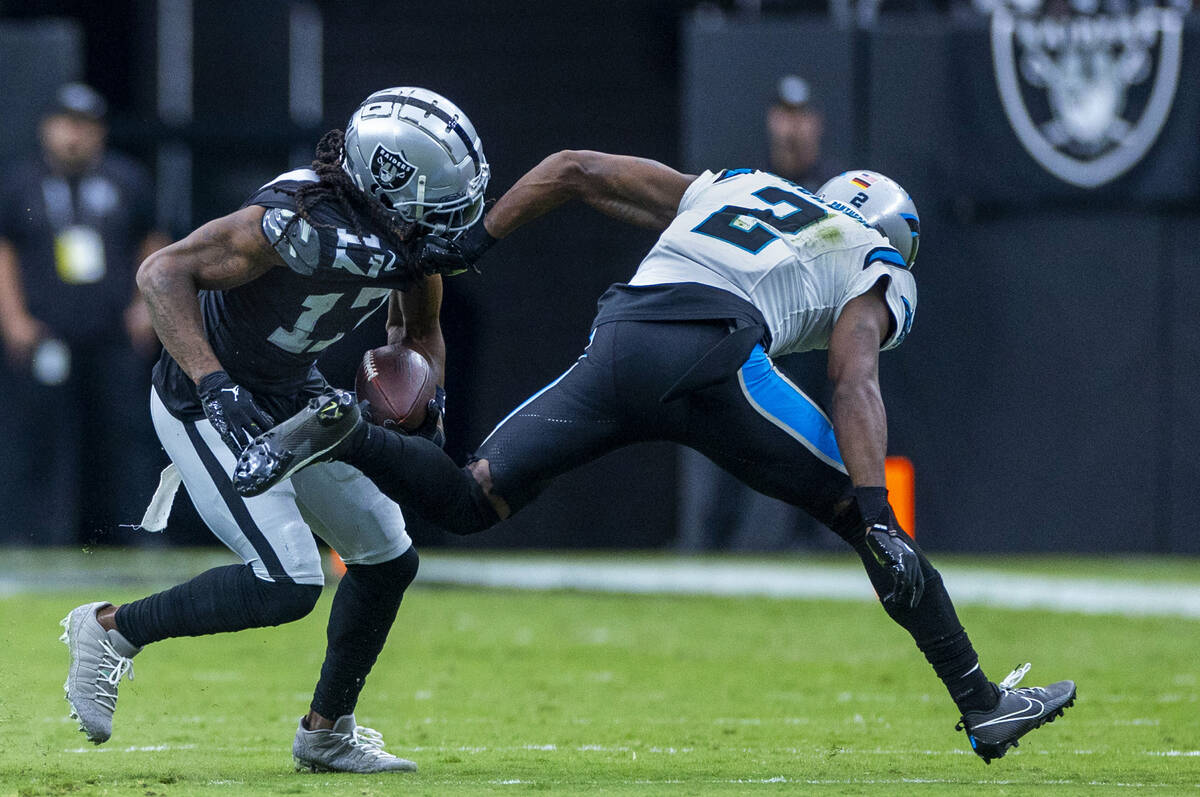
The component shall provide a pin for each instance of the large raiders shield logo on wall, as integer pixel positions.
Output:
(390, 169)
(1087, 84)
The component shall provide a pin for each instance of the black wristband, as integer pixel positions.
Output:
(477, 240)
(213, 381)
(872, 503)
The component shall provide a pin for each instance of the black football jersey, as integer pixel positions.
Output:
(269, 332)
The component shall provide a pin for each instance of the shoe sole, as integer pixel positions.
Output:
(315, 768)
(283, 463)
(310, 766)
(68, 639)
(1004, 747)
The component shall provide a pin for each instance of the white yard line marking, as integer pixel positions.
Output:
(847, 782)
(152, 748)
(797, 580)
(1175, 753)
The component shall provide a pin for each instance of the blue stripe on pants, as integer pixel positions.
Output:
(778, 400)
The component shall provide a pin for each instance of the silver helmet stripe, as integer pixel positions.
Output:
(429, 107)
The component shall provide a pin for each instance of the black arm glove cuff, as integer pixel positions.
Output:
(475, 241)
(214, 381)
(872, 504)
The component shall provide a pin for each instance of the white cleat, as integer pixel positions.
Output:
(347, 747)
(99, 659)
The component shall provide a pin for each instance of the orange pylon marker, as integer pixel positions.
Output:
(336, 564)
(900, 480)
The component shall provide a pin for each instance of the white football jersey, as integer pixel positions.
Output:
(795, 258)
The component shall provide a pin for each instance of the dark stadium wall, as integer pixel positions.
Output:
(1178, 408)
(23, 44)
(1045, 391)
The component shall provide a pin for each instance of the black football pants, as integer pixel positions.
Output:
(755, 424)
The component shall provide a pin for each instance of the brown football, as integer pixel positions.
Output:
(398, 383)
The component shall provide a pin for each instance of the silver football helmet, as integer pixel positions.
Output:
(882, 204)
(417, 154)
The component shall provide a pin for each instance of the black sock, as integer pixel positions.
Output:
(956, 663)
(935, 628)
(421, 477)
(227, 598)
(364, 608)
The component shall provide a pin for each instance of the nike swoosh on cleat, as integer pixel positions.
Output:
(1023, 713)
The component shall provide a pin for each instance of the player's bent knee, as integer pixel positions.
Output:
(280, 603)
(392, 576)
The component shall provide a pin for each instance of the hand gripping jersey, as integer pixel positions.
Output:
(775, 245)
(269, 332)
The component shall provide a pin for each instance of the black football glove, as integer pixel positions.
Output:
(231, 410)
(433, 428)
(437, 255)
(891, 547)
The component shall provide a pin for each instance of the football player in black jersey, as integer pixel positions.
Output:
(244, 306)
(747, 265)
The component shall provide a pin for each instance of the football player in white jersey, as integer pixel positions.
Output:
(748, 266)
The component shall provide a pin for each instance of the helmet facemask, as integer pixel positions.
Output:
(449, 216)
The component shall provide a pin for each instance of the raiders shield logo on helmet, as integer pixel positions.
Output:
(1087, 84)
(390, 169)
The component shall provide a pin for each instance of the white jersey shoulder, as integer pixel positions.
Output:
(774, 244)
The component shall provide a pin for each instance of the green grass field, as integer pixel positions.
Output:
(508, 692)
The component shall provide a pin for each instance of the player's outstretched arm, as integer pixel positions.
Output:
(222, 254)
(860, 423)
(639, 191)
(859, 418)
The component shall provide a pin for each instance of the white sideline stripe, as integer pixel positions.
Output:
(853, 782)
(153, 748)
(967, 587)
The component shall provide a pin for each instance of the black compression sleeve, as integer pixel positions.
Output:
(422, 478)
(227, 598)
(364, 608)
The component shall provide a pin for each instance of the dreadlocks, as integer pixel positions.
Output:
(335, 183)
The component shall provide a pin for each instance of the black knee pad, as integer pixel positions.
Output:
(392, 576)
(277, 603)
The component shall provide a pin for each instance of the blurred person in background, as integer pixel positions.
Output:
(795, 128)
(75, 221)
(716, 510)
